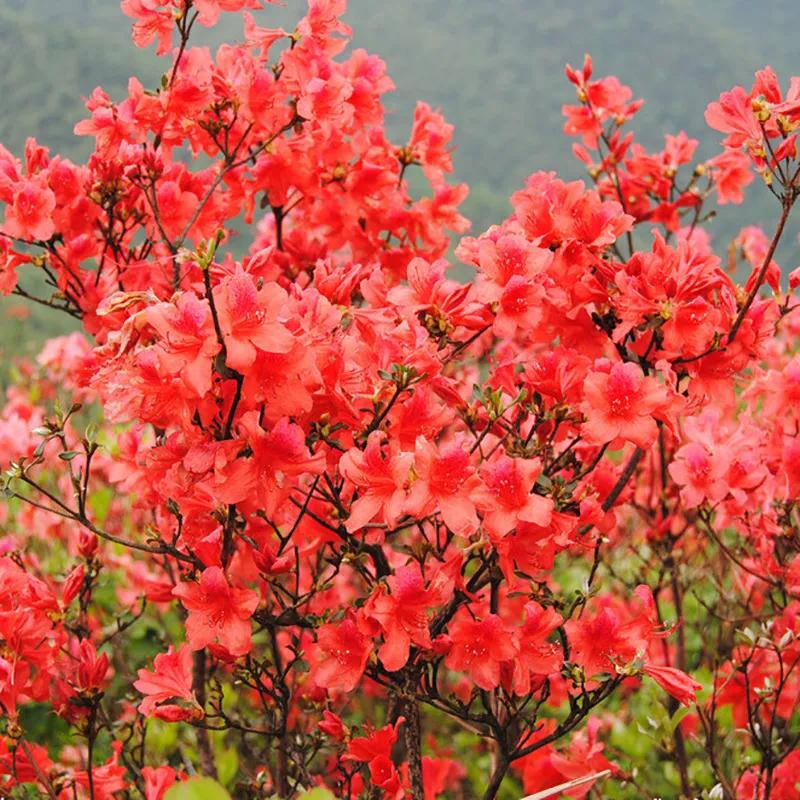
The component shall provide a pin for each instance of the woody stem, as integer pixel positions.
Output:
(413, 740)
(204, 748)
(790, 194)
(499, 772)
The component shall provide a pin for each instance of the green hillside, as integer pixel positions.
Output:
(496, 68)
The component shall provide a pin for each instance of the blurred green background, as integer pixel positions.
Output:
(494, 66)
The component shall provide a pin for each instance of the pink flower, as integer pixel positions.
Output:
(30, 214)
(732, 172)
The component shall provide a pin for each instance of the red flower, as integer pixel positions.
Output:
(429, 143)
(333, 726)
(439, 775)
(107, 780)
(519, 307)
(537, 656)
(170, 678)
(732, 172)
(502, 258)
(375, 749)
(552, 212)
(701, 474)
(547, 768)
(9, 261)
(157, 780)
(209, 10)
(601, 100)
(601, 642)
(615, 635)
(92, 668)
(674, 682)
(380, 480)
(187, 344)
(445, 478)
(14, 677)
(403, 614)
(621, 403)
(72, 585)
(341, 655)
(218, 612)
(25, 763)
(248, 318)
(152, 21)
(279, 459)
(506, 496)
(384, 775)
(734, 115)
(479, 648)
(376, 743)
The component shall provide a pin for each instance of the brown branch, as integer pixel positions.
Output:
(41, 777)
(204, 748)
(788, 201)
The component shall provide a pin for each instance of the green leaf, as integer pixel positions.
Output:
(197, 789)
(226, 758)
(317, 794)
(678, 716)
(100, 502)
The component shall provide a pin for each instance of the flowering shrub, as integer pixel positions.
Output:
(322, 521)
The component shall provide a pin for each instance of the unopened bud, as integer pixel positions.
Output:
(87, 544)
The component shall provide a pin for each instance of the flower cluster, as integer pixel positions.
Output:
(326, 508)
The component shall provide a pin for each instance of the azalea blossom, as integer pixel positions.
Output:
(341, 655)
(505, 495)
(218, 612)
(479, 648)
(380, 480)
(171, 678)
(622, 403)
